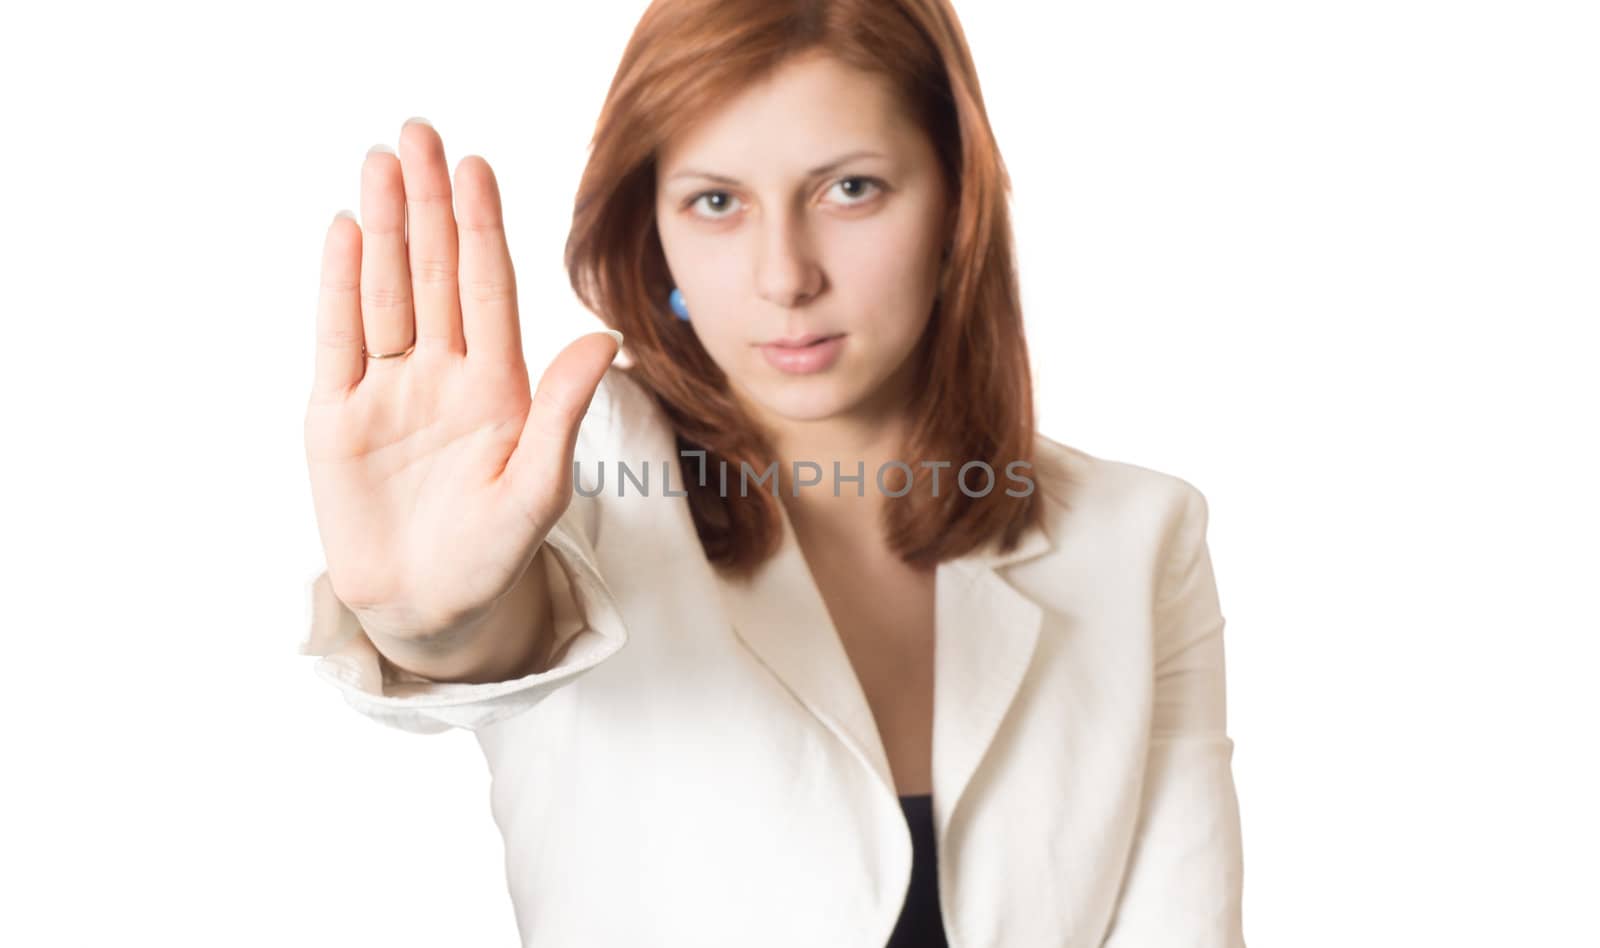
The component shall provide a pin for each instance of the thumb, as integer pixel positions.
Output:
(540, 469)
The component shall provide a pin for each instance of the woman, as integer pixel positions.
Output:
(856, 572)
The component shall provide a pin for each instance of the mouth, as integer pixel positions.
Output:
(804, 355)
(802, 342)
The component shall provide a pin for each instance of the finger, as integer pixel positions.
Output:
(339, 362)
(431, 238)
(488, 286)
(385, 276)
(541, 466)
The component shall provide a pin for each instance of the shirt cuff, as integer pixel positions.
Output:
(588, 630)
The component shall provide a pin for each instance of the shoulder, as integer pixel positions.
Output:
(1115, 502)
(618, 388)
(623, 413)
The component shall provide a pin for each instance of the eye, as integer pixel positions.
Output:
(726, 200)
(863, 185)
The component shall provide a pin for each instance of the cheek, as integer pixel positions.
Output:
(890, 284)
(715, 313)
(894, 250)
(703, 273)
(678, 247)
(723, 332)
(721, 341)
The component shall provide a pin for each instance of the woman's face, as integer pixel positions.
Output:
(810, 205)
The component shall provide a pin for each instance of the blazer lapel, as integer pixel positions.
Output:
(985, 635)
(985, 639)
(780, 615)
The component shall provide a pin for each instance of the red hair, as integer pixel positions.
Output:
(976, 404)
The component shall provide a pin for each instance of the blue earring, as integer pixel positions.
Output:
(677, 304)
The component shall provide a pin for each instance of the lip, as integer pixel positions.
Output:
(795, 359)
(800, 341)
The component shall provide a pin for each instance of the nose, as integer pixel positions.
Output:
(787, 272)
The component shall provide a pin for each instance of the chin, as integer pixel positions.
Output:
(795, 404)
(803, 398)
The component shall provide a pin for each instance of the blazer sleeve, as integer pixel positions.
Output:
(1184, 883)
(588, 625)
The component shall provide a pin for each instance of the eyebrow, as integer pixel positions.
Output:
(813, 173)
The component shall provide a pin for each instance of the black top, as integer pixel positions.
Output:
(920, 925)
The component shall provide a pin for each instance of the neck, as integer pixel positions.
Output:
(859, 441)
(857, 445)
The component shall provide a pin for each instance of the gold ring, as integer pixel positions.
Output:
(388, 355)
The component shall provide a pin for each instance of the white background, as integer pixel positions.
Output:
(1333, 263)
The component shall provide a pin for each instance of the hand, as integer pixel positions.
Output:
(434, 475)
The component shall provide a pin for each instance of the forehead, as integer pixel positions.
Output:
(809, 106)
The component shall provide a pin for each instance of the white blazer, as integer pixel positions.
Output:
(701, 768)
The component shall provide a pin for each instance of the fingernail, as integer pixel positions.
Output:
(615, 335)
(380, 147)
(418, 119)
(348, 215)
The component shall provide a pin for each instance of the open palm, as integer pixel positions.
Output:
(435, 473)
